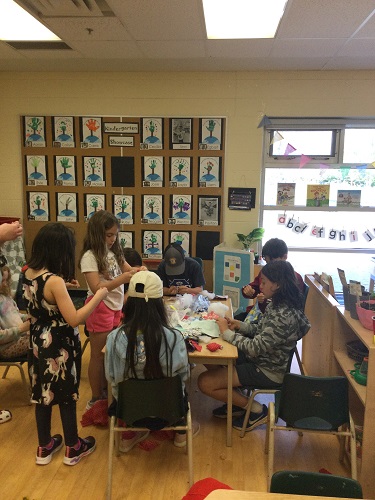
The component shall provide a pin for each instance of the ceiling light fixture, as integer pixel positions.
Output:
(242, 18)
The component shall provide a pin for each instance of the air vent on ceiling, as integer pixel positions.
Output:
(66, 8)
(49, 45)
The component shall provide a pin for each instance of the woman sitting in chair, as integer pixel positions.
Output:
(263, 348)
(145, 346)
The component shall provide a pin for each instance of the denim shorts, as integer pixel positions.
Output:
(251, 375)
(102, 319)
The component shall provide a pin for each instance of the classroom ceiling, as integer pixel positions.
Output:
(169, 35)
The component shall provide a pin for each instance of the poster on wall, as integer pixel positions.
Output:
(182, 238)
(180, 209)
(181, 133)
(152, 133)
(209, 171)
(123, 208)
(38, 206)
(66, 207)
(36, 170)
(210, 133)
(93, 171)
(126, 239)
(63, 132)
(208, 210)
(65, 171)
(286, 193)
(152, 245)
(153, 171)
(34, 127)
(152, 209)
(91, 132)
(93, 203)
(317, 195)
(180, 171)
(348, 197)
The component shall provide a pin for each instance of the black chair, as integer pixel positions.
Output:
(150, 405)
(259, 390)
(315, 484)
(312, 404)
(18, 363)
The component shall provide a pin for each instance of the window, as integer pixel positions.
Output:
(318, 194)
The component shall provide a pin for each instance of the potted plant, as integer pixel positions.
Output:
(248, 239)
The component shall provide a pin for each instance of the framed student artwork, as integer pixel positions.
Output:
(209, 210)
(66, 207)
(152, 209)
(209, 171)
(38, 206)
(152, 245)
(93, 171)
(152, 133)
(182, 238)
(210, 133)
(181, 133)
(123, 208)
(153, 171)
(34, 129)
(180, 171)
(65, 171)
(93, 203)
(126, 239)
(180, 209)
(36, 170)
(91, 132)
(63, 132)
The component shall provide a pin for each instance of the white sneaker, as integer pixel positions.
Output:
(127, 444)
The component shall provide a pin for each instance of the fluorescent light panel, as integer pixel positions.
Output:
(242, 18)
(17, 24)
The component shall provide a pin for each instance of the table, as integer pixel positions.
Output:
(225, 356)
(258, 495)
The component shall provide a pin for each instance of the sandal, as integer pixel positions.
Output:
(5, 415)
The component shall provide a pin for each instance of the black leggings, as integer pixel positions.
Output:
(68, 414)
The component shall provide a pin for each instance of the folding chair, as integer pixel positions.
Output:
(17, 362)
(312, 404)
(259, 390)
(315, 484)
(150, 405)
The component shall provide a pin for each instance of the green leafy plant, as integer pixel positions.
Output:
(248, 239)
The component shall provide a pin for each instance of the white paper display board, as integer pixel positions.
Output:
(233, 269)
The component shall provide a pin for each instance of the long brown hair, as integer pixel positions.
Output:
(5, 287)
(95, 240)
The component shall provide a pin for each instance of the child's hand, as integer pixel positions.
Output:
(72, 284)
(222, 324)
(102, 293)
(261, 298)
(25, 326)
(233, 324)
(248, 291)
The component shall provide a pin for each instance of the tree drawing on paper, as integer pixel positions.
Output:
(95, 203)
(40, 204)
(94, 164)
(152, 128)
(34, 163)
(153, 176)
(122, 204)
(209, 207)
(152, 244)
(208, 176)
(65, 163)
(182, 208)
(64, 129)
(210, 126)
(34, 124)
(93, 125)
(150, 204)
(67, 212)
(181, 166)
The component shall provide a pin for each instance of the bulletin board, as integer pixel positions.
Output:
(162, 177)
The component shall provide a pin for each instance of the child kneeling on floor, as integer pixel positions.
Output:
(145, 346)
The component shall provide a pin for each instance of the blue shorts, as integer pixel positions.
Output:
(251, 375)
(102, 319)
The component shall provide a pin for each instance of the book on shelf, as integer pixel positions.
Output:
(286, 193)
(348, 197)
(317, 195)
